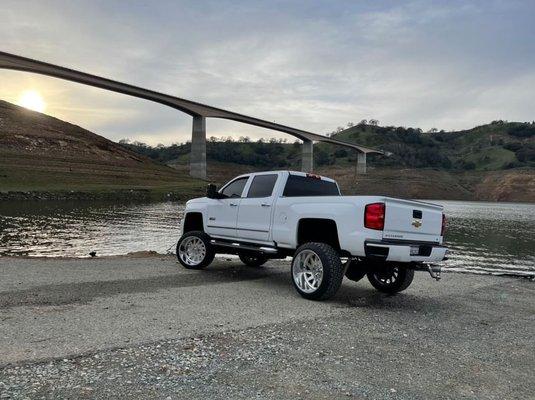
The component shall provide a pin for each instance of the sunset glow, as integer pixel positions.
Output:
(32, 100)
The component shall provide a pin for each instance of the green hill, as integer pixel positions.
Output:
(495, 146)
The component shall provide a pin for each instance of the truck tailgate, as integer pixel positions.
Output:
(412, 220)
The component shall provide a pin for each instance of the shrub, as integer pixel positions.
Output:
(522, 131)
(513, 146)
(526, 154)
(466, 165)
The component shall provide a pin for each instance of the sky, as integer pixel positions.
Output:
(313, 65)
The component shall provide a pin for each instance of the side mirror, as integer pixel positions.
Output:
(212, 193)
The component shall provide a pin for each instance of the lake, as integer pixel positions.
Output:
(492, 238)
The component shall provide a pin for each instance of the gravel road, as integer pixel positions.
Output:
(142, 327)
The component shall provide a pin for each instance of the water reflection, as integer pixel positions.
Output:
(491, 237)
(484, 237)
(73, 229)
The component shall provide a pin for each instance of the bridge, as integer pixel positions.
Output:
(198, 111)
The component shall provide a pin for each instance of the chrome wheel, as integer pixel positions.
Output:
(192, 251)
(307, 271)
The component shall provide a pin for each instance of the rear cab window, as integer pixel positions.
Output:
(262, 186)
(309, 185)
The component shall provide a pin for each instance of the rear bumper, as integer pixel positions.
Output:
(404, 251)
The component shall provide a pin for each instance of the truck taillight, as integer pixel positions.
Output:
(443, 230)
(374, 216)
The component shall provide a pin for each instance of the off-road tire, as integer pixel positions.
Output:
(209, 255)
(355, 271)
(333, 271)
(253, 260)
(400, 283)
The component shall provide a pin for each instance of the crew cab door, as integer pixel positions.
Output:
(256, 208)
(223, 213)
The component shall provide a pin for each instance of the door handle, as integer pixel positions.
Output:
(233, 205)
(265, 205)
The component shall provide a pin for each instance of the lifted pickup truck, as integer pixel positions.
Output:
(276, 214)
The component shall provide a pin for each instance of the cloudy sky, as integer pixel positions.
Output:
(314, 65)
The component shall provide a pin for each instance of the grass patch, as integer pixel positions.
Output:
(492, 158)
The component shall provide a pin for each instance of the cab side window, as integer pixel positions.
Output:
(262, 186)
(235, 188)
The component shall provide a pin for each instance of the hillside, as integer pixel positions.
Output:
(44, 154)
(493, 162)
(47, 156)
(495, 146)
(515, 185)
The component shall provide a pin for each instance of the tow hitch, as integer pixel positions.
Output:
(434, 270)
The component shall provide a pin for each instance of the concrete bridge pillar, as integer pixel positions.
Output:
(307, 160)
(197, 157)
(361, 163)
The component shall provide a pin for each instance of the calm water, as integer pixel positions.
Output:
(484, 237)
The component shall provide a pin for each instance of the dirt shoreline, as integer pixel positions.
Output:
(142, 327)
(516, 185)
(135, 254)
(102, 195)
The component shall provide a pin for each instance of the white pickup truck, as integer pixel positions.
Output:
(267, 215)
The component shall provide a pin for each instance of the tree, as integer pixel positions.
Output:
(526, 154)
(521, 131)
(373, 122)
(321, 157)
(339, 153)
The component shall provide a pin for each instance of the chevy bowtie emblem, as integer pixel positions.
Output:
(416, 223)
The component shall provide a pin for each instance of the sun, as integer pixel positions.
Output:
(32, 100)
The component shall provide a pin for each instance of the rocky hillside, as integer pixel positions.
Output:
(516, 185)
(42, 153)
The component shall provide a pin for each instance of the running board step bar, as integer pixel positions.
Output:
(241, 246)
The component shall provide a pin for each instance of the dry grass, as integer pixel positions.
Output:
(41, 153)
